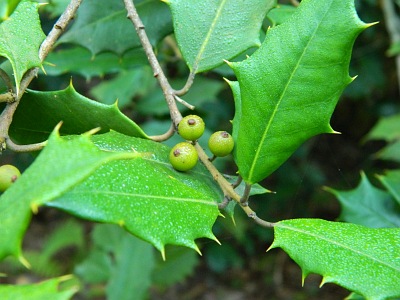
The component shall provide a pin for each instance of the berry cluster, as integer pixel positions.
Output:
(183, 156)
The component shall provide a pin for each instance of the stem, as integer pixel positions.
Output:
(245, 198)
(168, 91)
(164, 136)
(169, 94)
(227, 188)
(187, 86)
(7, 97)
(6, 116)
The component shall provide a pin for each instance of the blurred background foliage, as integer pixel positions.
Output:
(102, 256)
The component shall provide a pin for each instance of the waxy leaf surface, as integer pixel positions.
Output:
(49, 289)
(363, 260)
(148, 198)
(101, 25)
(391, 180)
(20, 38)
(369, 206)
(39, 112)
(290, 86)
(61, 165)
(210, 31)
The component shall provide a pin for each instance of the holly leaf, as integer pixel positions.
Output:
(101, 25)
(391, 180)
(148, 198)
(38, 112)
(79, 60)
(49, 289)
(124, 86)
(387, 129)
(20, 38)
(75, 160)
(290, 86)
(223, 29)
(280, 14)
(363, 260)
(368, 206)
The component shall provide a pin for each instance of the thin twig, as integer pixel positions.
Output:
(187, 86)
(48, 43)
(183, 102)
(24, 148)
(246, 194)
(295, 2)
(224, 203)
(238, 182)
(7, 97)
(164, 136)
(168, 91)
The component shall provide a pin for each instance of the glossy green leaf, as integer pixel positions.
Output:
(78, 60)
(203, 90)
(280, 14)
(101, 25)
(6, 8)
(363, 260)
(49, 289)
(20, 38)
(54, 7)
(388, 129)
(124, 86)
(210, 31)
(132, 269)
(290, 86)
(39, 112)
(148, 198)
(390, 152)
(180, 264)
(366, 205)
(61, 165)
(391, 180)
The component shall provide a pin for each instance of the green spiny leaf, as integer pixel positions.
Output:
(391, 180)
(210, 31)
(78, 60)
(290, 86)
(368, 206)
(39, 112)
(148, 198)
(49, 289)
(61, 165)
(388, 129)
(361, 259)
(20, 38)
(101, 25)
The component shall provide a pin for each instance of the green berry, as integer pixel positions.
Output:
(8, 175)
(191, 127)
(221, 143)
(183, 156)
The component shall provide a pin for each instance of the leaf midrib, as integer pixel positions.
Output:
(207, 38)
(211, 203)
(258, 152)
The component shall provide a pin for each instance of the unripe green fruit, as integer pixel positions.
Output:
(183, 156)
(191, 127)
(221, 143)
(8, 175)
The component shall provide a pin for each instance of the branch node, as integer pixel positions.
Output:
(183, 102)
